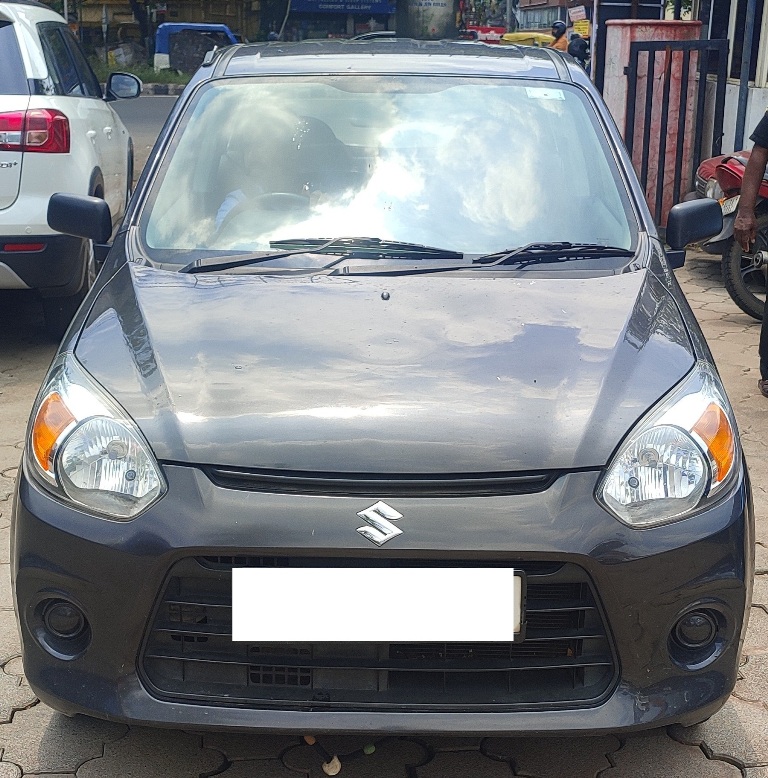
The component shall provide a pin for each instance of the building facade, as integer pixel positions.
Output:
(749, 58)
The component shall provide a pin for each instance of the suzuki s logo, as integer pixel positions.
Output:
(380, 518)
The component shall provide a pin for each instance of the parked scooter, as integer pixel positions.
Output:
(744, 274)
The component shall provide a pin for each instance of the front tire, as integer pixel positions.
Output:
(744, 280)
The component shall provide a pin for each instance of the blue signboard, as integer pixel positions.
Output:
(344, 6)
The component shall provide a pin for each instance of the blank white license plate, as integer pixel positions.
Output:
(730, 205)
(378, 604)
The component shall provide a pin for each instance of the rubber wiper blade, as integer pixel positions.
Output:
(213, 264)
(368, 248)
(561, 251)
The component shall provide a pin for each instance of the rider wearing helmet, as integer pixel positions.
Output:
(560, 41)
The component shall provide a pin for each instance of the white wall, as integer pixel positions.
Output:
(757, 104)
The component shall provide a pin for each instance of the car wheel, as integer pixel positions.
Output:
(744, 275)
(58, 311)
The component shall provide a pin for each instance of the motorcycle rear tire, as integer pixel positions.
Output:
(742, 285)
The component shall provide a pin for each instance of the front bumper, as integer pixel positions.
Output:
(642, 582)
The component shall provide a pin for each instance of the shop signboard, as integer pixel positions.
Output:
(582, 28)
(344, 6)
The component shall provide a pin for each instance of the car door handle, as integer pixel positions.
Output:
(108, 132)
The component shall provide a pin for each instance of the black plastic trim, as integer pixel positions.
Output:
(382, 484)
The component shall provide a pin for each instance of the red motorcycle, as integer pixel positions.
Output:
(744, 273)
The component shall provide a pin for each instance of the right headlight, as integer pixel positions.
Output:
(678, 457)
(85, 448)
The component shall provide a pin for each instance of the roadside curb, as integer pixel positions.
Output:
(162, 89)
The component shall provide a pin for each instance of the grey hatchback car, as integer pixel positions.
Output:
(386, 414)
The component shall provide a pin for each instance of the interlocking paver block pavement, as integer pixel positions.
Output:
(465, 764)
(6, 490)
(267, 768)
(738, 731)
(752, 685)
(760, 592)
(40, 740)
(756, 640)
(154, 753)
(656, 755)
(5, 545)
(237, 747)
(15, 695)
(392, 757)
(761, 558)
(6, 599)
(450, 743)
(573, 757)
(10, 645)
(8, 770)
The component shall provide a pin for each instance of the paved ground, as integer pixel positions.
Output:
(36, 741)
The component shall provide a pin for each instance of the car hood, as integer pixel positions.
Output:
(385, 374)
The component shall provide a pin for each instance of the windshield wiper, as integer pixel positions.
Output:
(552, 252)
(376, 248)
(212, 264)
(363, 248)
(368, 248)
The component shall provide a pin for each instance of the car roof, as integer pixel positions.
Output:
(394, 55)
(27, 2)
(15, 10)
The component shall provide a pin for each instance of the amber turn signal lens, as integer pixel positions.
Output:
(53, 417)
(715, 430)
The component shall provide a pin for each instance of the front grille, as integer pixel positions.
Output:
(565, 659)
(384, 485)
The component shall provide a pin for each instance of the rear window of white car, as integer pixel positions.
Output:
(67, 65)
(13, 80)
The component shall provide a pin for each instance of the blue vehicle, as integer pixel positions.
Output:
(176, 42)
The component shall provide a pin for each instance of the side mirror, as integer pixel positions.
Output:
(86, 217)
(123, 86)
(693, 221)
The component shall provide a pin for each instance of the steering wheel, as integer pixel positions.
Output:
(260, 212)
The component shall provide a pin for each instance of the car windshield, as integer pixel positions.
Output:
(462, 164)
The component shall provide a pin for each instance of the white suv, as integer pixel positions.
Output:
(58, 133)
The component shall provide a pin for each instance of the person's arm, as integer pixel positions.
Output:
(745, 225)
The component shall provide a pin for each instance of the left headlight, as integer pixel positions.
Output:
(88, 450)
(678, 457)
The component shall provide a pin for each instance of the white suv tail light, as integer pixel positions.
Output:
(39, 129)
